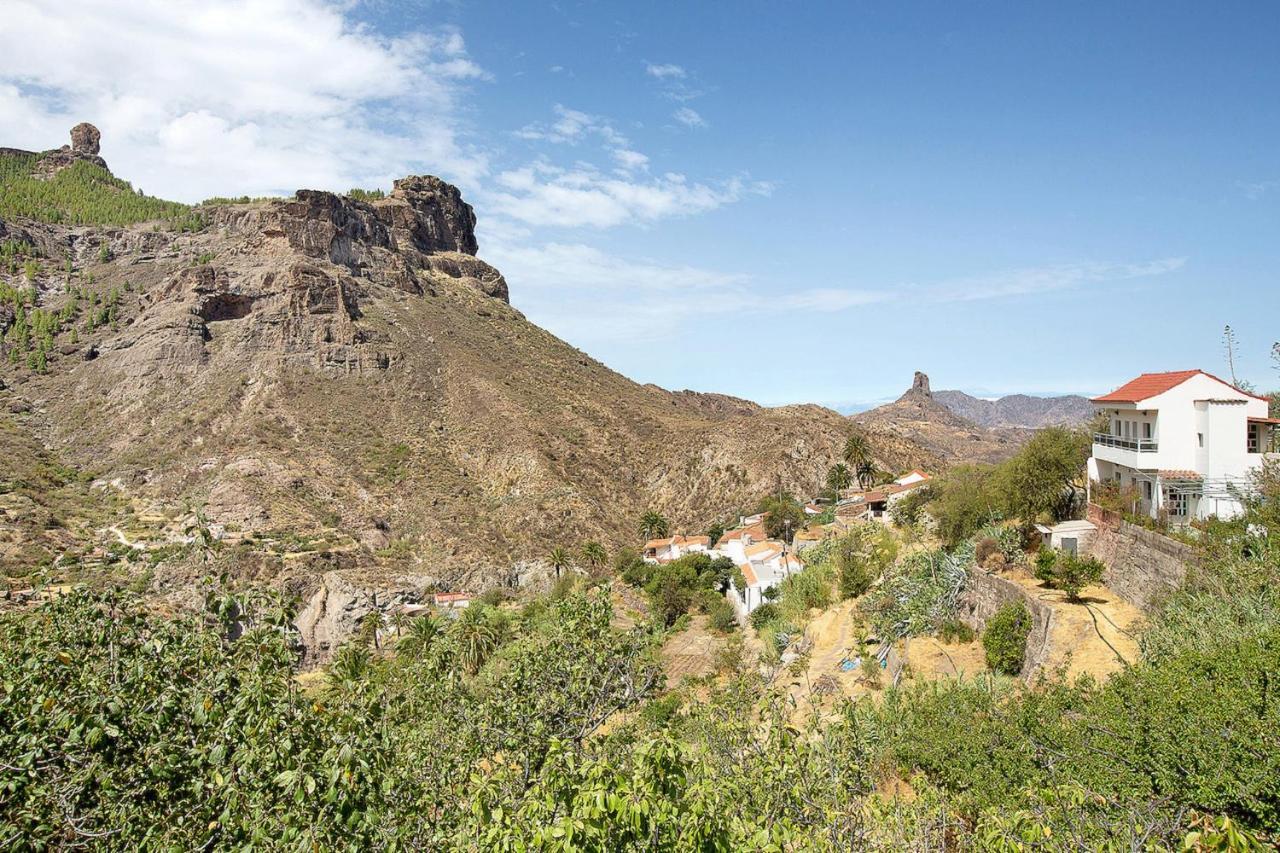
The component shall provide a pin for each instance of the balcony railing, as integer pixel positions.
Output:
(1142, 445)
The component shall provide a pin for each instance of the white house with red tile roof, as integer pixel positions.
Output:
(674, 547)
(453, 600)
(1187, 441)
(765, 564)
(733, 543)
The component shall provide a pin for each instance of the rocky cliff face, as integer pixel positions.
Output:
(340, 385)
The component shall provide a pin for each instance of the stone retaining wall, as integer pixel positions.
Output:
(1142, 565)
(984, 594)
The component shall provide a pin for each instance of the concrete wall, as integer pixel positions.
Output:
(984, 594)
(1142, 565)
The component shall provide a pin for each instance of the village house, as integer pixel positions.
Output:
(453, 600)
(675, 547)
(876, 503)
(765, 565)
(733, 543)
(1186, 443)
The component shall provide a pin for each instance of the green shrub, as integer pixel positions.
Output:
(861, 556)
(1074, 573)
(1005, 638)
(952, 630)
(763, 615)
(1045, 560)
(1068, 572)
(720, 616)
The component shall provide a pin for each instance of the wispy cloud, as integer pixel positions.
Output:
(1031, 280)
(666, 71)
(591, 296)
(543, 194)
(1257, 189)
(689, 117)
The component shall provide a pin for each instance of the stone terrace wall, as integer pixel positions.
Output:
(1141, 564)
(984, 594)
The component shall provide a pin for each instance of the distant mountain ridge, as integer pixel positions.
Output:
(919, 420)
(1018, 410)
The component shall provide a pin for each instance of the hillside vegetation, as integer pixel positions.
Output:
(124, 729)
(81, 194)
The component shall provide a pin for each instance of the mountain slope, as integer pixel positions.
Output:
(917, 420)
(340, 382)
(1018, 410)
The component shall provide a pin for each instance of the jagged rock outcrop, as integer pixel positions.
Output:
(84, 146)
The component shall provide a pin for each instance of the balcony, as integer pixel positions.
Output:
(1139, 445)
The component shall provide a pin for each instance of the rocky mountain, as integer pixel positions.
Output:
(1018, 410)
(325, 382)
(917, 422)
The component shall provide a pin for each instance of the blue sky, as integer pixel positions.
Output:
(786, 202)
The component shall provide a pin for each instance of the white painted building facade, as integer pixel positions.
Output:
(1187, 442)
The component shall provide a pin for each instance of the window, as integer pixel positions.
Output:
(1146, 429)
(1200, 438)
(1177, 503)
(1146, 489)
(1253, 439)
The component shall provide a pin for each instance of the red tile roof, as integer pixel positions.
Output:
(1179, 475)
(1149, 385)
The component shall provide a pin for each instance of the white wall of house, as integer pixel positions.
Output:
(1200, 425)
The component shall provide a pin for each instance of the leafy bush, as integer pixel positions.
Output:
(952, 630)
(1045, 560)
(1068, 572)
(763, 615)
(720, 616)
(861, 556)
(1005, 638)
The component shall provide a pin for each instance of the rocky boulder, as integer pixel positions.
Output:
(85, 138)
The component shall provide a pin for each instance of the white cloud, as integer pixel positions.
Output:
(543, 194)
(589, 295)
(665, 71)
(571, 127)
(1046, 279)
(236, 96)
(689, 117)
(629, 160)
(593, 297)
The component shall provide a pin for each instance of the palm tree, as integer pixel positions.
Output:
(559, 559)
(399, 619)
(594, 555)
(839, 478)
(857, 453)
(351, 665)
(476, 638)
(653, 525)
(421, 634)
